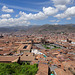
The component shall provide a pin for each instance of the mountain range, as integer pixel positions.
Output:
(40, 28)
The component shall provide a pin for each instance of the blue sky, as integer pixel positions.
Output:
(36, 12)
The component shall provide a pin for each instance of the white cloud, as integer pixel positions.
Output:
(58, 21)
(61, 7)
(6, 9)
(13, 22)
(61, 4)
(20, 8)
(69, 18)
(70, 12)
(55, 23)
(5, 16)
(38, 3)
(31, 16)
(52, 20)
(23, 18)
(50, 11)
(41, 15)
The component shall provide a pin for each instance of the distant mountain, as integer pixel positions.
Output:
(14, 29)
(52, 28)
(40, 28)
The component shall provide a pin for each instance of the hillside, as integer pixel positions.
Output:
(52, 28)
(40, 28)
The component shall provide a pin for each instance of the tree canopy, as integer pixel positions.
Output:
(17, 69)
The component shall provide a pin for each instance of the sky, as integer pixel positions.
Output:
(36, 12)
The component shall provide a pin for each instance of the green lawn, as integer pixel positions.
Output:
(17, 69)
(55, 47)
(46, 47)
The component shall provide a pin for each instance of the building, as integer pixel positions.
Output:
(8, 59)
(24, 48)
